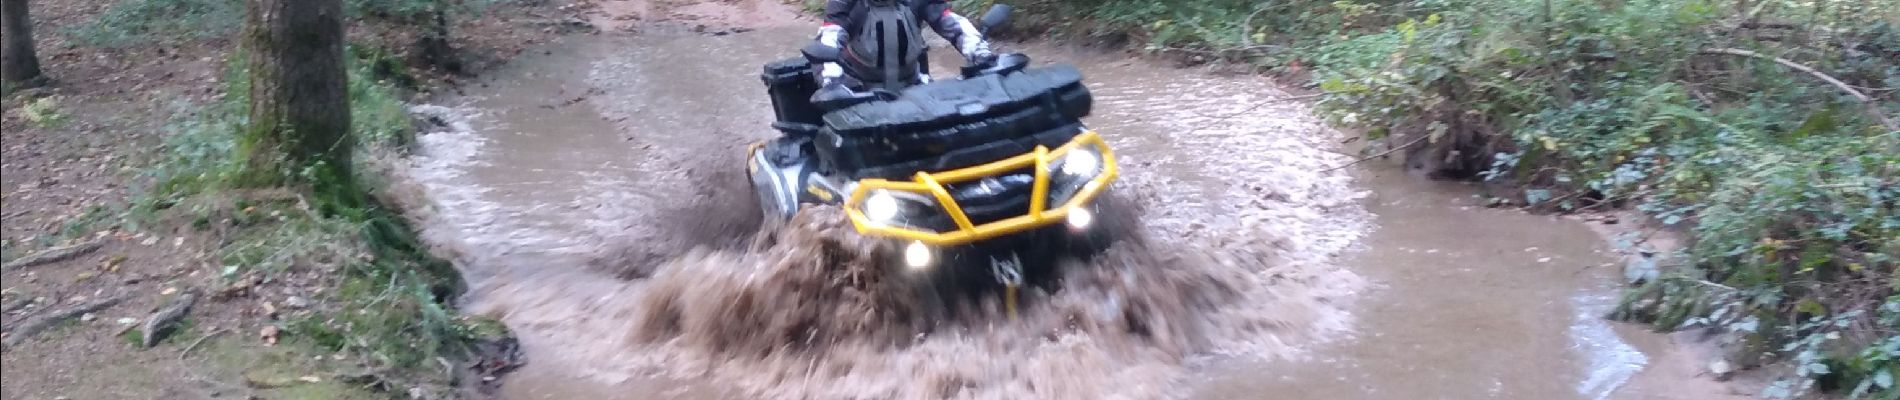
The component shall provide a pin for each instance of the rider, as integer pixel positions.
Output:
(881, 46)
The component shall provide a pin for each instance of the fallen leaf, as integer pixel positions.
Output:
(112, 264)
(269, 334)
(1720, 368)
(311, 379)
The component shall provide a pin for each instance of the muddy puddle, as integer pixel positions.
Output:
(1469, 302)
(594, 196)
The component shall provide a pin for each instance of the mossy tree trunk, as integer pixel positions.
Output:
(19, 66)
(299, 128)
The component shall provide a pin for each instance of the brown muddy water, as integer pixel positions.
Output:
(594, 196)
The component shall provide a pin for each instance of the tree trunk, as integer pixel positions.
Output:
(433, 45)
(300, 111)
(20, 66)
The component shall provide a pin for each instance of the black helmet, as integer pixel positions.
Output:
(888, 51)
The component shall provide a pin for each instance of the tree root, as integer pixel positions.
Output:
(30, 328)
(15, 304)
(54, 255)
(201, 340)
(1414, 142)
(155, 325)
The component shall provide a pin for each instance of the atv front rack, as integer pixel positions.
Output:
(933, 185)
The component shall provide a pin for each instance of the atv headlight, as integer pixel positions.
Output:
(889, 208)
(918, 256)
(1073, 171)
(1081, 218)
(1082, 162)
(882, 207)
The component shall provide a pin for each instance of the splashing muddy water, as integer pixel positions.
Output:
(595, 199)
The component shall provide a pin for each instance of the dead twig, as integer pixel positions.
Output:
(30, 328)
(154, 325)
(1246, 26)
(54, 255)
(201, 340)
(1873, 109)
(16, 304)
(1421, 138)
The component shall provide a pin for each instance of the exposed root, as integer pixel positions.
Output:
(15, 304)
(54, 255)
(155, 325)
(201, 340)
(30, 328)
(1407, 145)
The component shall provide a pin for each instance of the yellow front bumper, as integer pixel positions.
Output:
(932, 184)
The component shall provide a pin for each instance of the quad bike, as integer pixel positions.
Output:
(982, 181)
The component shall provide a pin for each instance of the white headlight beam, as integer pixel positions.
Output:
(881, 207)
(918, 256)
(1081, 218)
(1081, 162)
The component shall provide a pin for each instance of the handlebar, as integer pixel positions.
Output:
(1005, 64)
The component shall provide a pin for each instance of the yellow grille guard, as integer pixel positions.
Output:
(932, 185)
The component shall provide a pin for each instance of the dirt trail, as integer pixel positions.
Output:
(595, 198)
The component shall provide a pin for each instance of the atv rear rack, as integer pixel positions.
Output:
(932, 185)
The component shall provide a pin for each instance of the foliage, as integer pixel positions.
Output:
(414, 10)
(133, 22)
(391, 296)
(1786, 184)
(43, 112)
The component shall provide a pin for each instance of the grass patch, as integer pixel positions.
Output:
(134, 22)
(43, 112)
(387, 298)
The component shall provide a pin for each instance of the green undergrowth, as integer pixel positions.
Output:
(386, 299)
(1732, 122)
(133, 22)
(136, 22)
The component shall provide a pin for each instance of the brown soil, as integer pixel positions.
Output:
(71, 165)
(700, 16)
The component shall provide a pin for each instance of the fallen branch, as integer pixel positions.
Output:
(54, 255)
(154, 326)
(1421, 138)
(1873, 109)
(30, 328)
(15, 304)
(201, 340)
